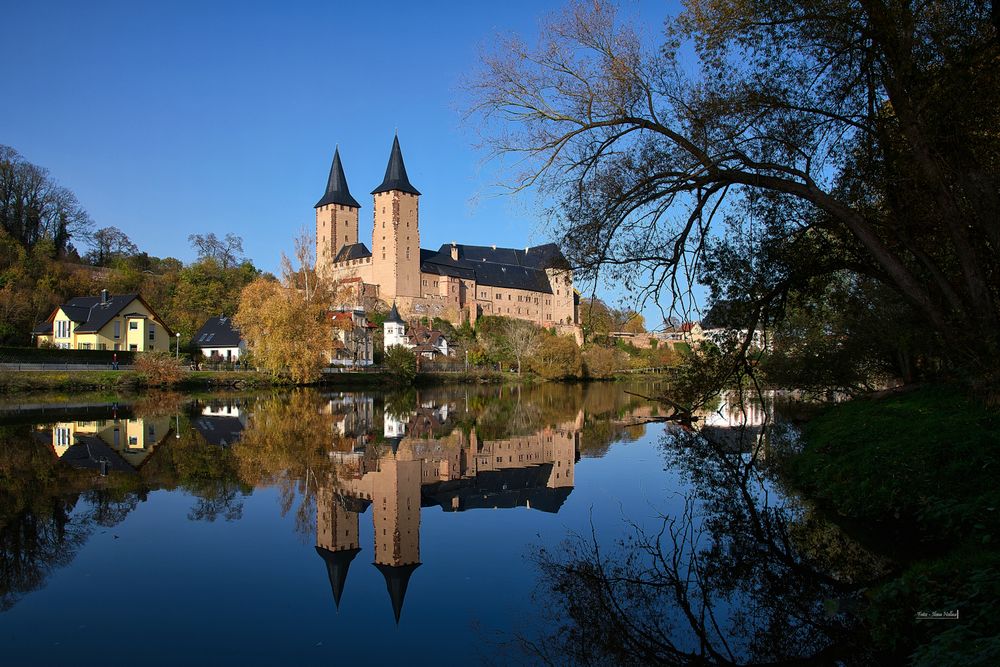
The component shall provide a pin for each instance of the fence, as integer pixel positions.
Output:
(61, 367)
(54, 355)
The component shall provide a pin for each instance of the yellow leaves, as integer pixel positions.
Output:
(286, 333)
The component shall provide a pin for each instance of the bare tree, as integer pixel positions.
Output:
(108, 244)
(845, 136)
(227, 252)
(521, 338)
(33, 207)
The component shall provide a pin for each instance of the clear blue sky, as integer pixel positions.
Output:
(174, 118)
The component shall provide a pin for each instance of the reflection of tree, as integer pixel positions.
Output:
(731, 579)
(287, 443)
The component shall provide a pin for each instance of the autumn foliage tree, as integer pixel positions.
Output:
(557, 358)
(286, 333)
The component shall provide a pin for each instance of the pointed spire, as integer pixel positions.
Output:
(337, 564)
(337, 191)
(395, 173)
(394, 315)
(397, 578)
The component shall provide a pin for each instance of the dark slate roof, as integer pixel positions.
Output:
(219, 431)
(393, 315)
(337, 191)
(89, 451)
(91, 315)
(505, 488)
(396, 580)
(352, 251)
(512, 268)
(395, 173)
(43, 329)
(337, 564)
(217, 332)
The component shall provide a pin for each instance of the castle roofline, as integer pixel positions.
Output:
(337, 191)
(395, 173)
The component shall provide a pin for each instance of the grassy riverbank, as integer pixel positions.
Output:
(16, 382)
(914, 476)
(21, 382)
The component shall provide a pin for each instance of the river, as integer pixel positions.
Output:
(451, 526)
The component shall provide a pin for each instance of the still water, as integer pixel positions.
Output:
(447, 526)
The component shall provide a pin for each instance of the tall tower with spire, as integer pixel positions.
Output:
(396, 236)
(396, 514)
(336, 216)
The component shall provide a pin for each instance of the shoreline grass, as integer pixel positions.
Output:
(913, 476)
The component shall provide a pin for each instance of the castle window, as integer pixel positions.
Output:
(499, 296)
(408, 255)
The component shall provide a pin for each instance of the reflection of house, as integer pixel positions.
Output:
(420, 465)
(219, 339)
(736, 425)
(104, 322)
(425, 342)
(353, 342)
(109, 444)
(353, 414)
(221, 422)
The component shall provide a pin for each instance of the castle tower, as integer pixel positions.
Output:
(395, 236)
(396, 514)
(336, 216)
(336, 538)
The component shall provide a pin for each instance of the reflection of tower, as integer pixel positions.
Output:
(336, 538)
(396, 504)
(561, 449)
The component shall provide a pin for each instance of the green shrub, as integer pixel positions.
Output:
(401, 364)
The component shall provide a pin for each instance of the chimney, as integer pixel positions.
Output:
(454, 251)
(104, 297)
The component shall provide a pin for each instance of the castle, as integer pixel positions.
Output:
(455, 282)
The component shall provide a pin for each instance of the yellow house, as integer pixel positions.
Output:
(104, 322)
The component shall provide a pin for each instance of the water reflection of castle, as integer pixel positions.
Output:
(416, 465)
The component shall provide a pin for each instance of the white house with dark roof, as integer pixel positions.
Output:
(219, 339)
(424, 341)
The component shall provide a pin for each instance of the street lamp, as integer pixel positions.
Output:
(178, 334)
